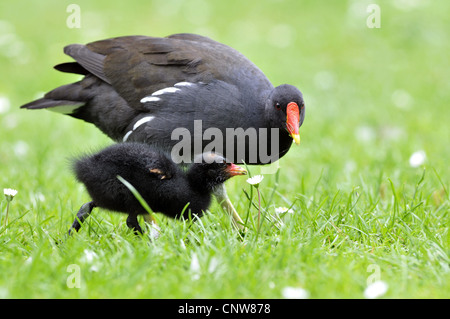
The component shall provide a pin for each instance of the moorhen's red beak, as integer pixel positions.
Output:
(234, 170)
(293, 121)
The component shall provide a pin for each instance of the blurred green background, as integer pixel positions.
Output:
(374, 96)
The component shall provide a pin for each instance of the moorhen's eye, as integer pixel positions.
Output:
(278, 106)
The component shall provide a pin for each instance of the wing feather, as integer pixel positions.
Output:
(137, 66)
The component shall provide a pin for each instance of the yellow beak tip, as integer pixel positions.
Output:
(296, 138)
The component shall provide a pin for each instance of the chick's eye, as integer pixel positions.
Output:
(278, 106)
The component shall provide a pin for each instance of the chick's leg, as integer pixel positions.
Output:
(222, 197)
(82, 214)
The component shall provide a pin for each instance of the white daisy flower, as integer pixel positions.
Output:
(376, 289)
(417, 158)
(155, 231)
(282, 210)
(89, 256)
(255, 180)
(4, 104)
(94, 268)
(294, 293)
(213, 265)
(195, 267)
(9, 193)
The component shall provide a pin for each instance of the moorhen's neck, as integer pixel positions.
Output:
(266, 100)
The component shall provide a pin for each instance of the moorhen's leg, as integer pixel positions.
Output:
(82, 214)
(224, 201)
(133, 224)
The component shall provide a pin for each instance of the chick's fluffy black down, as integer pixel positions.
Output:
(168, 192)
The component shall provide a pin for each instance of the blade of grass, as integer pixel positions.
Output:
(136, 194)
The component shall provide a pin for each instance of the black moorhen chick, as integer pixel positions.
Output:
(139, 88)
(162, 184)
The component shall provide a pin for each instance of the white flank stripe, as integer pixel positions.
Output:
(166, 90)
(150, 99)
(142, 121)
(184, 84)
(126, 136)
(136, 125)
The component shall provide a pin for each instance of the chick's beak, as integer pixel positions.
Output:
(234, 170)
(293, 121)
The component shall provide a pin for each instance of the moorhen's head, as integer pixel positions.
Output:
(285, 108)
(209, 170)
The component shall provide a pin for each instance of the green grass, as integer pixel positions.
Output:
(373, 96)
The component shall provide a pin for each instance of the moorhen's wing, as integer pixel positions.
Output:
(137, 66)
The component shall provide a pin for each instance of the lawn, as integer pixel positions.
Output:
(368, 188)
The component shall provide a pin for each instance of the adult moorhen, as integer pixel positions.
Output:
(165, 187)
(147, 89)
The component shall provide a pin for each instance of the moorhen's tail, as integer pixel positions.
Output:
(64, 99)
(91, 100)
(61, 106)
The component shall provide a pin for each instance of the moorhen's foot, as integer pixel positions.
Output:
(222, 198)
(133, 224)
